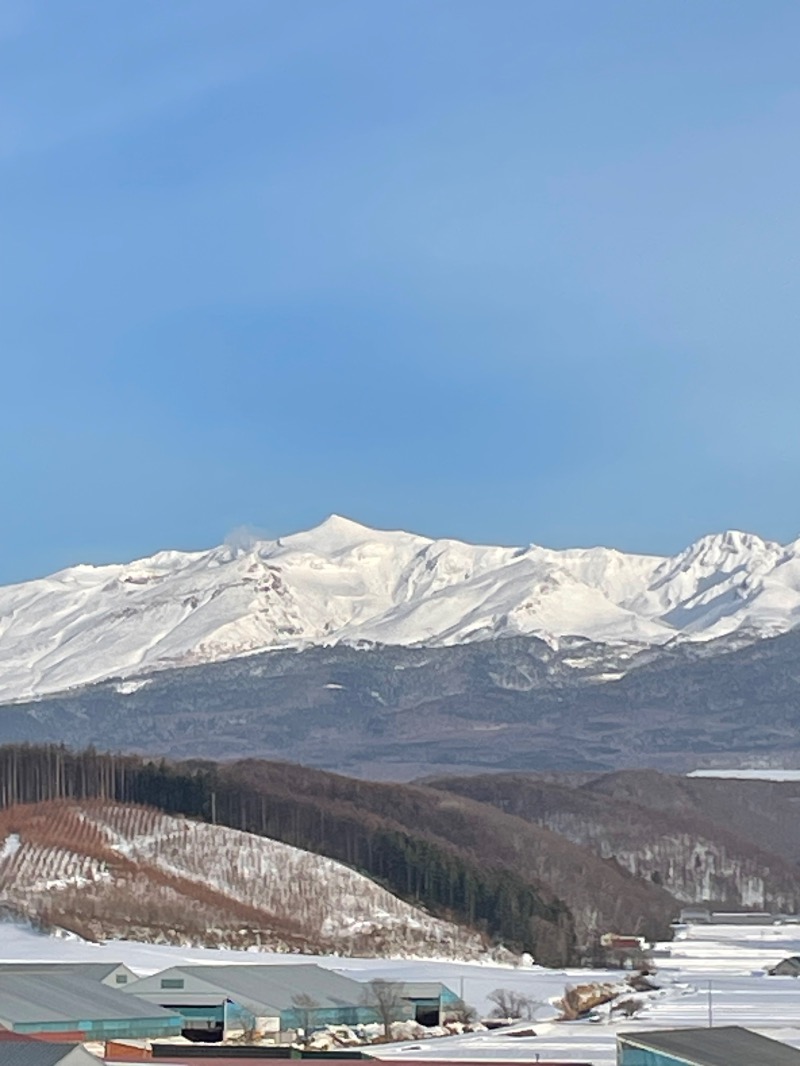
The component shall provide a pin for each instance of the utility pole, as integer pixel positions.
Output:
(710, 1008)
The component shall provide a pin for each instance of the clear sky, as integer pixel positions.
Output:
(510, 271)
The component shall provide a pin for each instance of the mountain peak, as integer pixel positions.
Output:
(338, 533)
(342, 524)
(714, 548)
(342, 581)
(331, 535)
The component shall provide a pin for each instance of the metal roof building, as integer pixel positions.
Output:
(727, 1045)
(275, 997)
(76, 1007)
(112, 974)
(16, 1052)
(429, 1000)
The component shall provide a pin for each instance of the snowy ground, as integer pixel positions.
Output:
(774, 774)
(718, 966)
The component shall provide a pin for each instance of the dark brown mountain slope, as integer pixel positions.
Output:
(600, 894)
(767, 813)
(709, 840)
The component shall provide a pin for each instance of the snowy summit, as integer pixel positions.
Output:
(344, 582)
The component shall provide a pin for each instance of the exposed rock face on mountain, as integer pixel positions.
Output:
(346, 583)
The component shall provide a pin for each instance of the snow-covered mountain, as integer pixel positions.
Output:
(344, 582)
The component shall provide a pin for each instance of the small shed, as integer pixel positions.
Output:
(695, 916)
(727, 1045)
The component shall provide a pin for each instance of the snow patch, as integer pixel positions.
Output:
(127, 688)
(11, 846)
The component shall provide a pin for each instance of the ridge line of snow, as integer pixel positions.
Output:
(343, 582)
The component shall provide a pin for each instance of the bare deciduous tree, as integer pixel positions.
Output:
(305, 1007)
(250, 1033)
(385, 1000)
(511, 1004)
(627, 1007)
(461, 1012)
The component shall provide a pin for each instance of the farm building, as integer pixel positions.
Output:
(704, 916)
(695, 916)
(728, 1045)
(71, 1006)
(18, 1050)
(221, 999)
(112, 974)
(118, 1053)
(428, 1000)
(623, 941)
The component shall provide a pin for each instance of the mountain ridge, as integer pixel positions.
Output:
(344, 583)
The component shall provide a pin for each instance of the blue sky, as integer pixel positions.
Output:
(506, 271)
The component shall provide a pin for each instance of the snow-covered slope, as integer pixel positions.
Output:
(345, 582)
(104, 869)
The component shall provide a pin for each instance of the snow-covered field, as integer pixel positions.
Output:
(345, 582)
(716, 971)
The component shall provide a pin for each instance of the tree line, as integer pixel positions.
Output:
(447, 881)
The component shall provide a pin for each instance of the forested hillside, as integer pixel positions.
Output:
(536, 863)
(735, 843)
(107, 870)
(526, 887)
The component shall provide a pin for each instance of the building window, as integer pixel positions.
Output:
(121, 978)
(172, 982)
